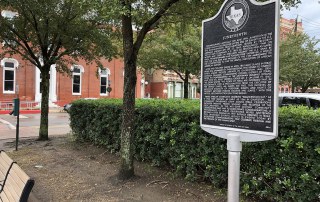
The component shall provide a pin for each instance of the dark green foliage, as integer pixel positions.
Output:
(167, 133)
(287, 168)
(97, 121)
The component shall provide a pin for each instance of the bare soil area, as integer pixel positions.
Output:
(65, 170)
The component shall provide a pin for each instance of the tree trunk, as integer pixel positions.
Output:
(186, 85)
(127, 130)
(304, 89)
(130, 51)
(126, 170)
(292, 87)
(43, 132)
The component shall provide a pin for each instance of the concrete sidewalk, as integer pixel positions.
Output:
(30, 124)
(31, 131)
(35, 111)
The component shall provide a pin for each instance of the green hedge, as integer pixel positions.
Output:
(167, 133)
(287, 168)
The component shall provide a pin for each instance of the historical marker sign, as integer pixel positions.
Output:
(240, 70)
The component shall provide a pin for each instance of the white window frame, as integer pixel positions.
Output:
(77, 74)
(180, 91)
(15, 66)
(106, 75)
(170, 89)
(192, 91)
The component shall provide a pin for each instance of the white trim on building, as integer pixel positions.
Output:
(9, 66)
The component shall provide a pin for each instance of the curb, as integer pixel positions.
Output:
(37, 111)
(12, 127)
(21, 111)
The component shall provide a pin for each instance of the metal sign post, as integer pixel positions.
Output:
(239, 73)
(16, 112)
(234, 147)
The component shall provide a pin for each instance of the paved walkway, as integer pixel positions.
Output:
(30, 124)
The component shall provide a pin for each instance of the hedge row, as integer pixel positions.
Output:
(167, 133)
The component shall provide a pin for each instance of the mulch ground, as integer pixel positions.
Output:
(65, 170)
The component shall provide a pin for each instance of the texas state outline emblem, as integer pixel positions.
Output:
(235, 15)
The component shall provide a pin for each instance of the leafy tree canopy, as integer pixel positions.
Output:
(51, 30)
(47, 32)
(134, 20)
(300, 61)
(177, 48)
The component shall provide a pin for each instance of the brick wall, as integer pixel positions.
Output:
(157, 90)
(90, 82)
(24, 77)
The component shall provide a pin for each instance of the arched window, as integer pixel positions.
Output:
(104, 81)
(9, 66)
(77, 71)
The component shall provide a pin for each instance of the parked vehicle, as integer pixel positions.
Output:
(310, 100)
(67, 107)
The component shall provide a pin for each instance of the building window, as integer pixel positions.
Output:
(170, 89)
(192, 91)
(77, 70)
(178, 90)
(104, 81)
(286, 90)
(9, 75)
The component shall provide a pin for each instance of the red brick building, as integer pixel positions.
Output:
(167, 84)
(288, 26)
(19, 78)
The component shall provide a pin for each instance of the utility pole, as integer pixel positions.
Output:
(295, 29)
(296, 25)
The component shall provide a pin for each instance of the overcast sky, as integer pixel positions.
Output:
(309, 13)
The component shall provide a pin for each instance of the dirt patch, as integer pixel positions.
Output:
(65, 170)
